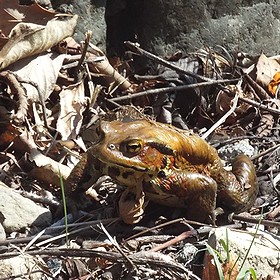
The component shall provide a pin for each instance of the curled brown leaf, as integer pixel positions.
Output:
(27, 39)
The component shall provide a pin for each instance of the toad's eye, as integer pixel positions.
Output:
(132, 147)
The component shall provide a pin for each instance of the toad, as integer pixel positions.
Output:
(169, 166)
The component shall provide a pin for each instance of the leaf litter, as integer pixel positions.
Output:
(54, 89)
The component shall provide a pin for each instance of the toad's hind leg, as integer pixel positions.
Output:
(193, 191)
(239, 189)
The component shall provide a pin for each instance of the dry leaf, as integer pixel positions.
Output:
(43, 69)
(69, 46)
(8, 133)
(132, 210)
(210, 270)
(47, 170)
(11, 13)
(75, 268)
(223, 102)
(267, 119)
(27, 39)
(70, 117)
(230, 269)
(17, 92)
(273, 84)
(104, 69)
(266, 69)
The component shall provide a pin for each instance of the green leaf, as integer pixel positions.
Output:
(225, 247)
(243, 274)
(251, 244)
(253, 273)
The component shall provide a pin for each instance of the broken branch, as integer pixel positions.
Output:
(163, 62)
(170, 89)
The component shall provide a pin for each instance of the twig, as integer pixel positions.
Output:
(17, 89)
(28, 275)
(161, 61)
(47, 238)
(117, 246)
(170, 89)
(52, 229)
(34, 239)
(86, 225)
(256, 221)
(262, 94)
(271, 149)
(222, 119)
(112, 256)
(217, 143)
(93, 90)
(174, 240)
(113, 102)
(274, 212)
(23, 240)
(259, 105)
(180, 220)
(87, 60)
(84, 52)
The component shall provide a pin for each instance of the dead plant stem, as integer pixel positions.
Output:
(260, 106)
(170, 89)
(222, 119)
(84, 51)
(256, 221)
(134, 47)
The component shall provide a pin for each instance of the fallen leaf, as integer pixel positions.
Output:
(71, 108)
(8, 133)
(210, 270)
(267, 119)
(27, 39)
(132, 209)
(69, 46)
(43, 69)
(104, 69)
(75, 268)
(223, 102)
(11, 13)
(273, 84)
(47, 169)
(266, 69)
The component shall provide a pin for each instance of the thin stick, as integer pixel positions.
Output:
(222, 119)
(170, 89)
(262, 94)
(256, 221)
(117, 246)
(259, 105)
(269, 150)
(179, 220)
(112, 256)
(174, 240)
(84, 51)
(161, 61)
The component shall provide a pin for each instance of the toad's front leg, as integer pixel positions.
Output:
(83, 176)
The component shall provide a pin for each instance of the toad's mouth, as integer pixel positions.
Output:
(125, 166)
